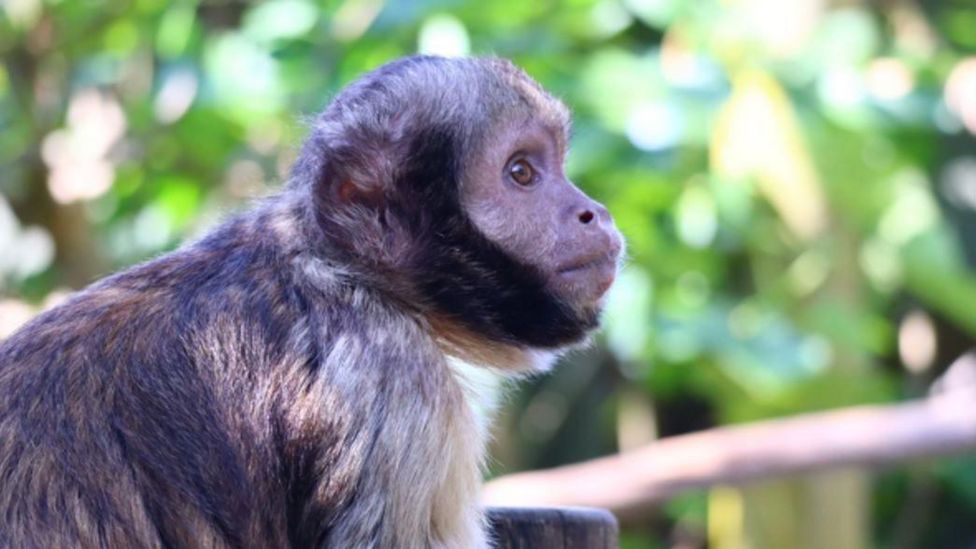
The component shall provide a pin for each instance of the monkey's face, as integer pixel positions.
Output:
(518, 195)
(442, 181)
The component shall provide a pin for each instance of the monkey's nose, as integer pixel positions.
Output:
(592, 213)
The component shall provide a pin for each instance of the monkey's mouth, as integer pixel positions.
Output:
(593, 275)
(602, 261)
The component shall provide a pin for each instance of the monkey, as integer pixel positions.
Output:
(300, 376)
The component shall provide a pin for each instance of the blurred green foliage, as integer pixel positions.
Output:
(796, 180)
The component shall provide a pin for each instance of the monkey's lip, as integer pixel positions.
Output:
(602, 261)
(596, 274)
(587, 280)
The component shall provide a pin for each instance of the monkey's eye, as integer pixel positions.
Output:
(521, 172)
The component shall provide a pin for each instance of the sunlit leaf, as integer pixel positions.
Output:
(757, 135)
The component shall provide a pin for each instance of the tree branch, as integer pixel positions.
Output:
(629, 484)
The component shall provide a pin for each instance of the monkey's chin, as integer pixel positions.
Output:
(587, 285)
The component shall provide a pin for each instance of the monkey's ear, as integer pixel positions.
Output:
(349, 192)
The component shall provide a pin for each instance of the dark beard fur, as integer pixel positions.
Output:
(469, 278)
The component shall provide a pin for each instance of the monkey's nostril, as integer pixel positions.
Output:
(586, 217)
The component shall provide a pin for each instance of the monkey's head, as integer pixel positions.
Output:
(442, 180)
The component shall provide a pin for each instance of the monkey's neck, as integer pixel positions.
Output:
(468, 347)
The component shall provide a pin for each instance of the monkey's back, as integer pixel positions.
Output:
(129, 415)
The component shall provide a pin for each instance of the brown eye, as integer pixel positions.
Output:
(521, 172)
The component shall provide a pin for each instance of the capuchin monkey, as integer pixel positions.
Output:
(296, 378)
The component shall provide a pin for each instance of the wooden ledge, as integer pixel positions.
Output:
(552, 528)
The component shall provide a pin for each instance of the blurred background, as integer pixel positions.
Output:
(796, 180)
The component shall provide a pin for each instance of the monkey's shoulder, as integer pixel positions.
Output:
(224, 282)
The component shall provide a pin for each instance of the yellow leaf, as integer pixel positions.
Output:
(757, 136)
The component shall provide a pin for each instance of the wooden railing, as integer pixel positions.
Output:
(630, 483)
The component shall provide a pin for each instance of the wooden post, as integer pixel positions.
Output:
(552, 528)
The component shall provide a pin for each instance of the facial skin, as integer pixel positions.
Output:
(518, 195)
